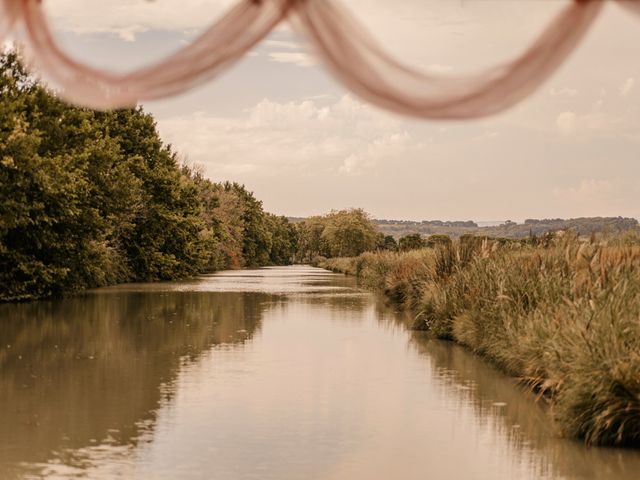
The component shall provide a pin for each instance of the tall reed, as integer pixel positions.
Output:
(561, 314)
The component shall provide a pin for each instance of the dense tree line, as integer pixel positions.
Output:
(239, 232)
(93, 198)
(428, 223)
(509, 229)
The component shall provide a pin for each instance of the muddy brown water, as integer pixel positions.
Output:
(277, 373)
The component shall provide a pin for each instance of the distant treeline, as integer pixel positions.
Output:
(430, 223)
(93, 198)
(582, 226)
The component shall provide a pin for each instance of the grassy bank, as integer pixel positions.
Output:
(563, 315)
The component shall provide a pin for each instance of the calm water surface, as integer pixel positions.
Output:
(278, 373)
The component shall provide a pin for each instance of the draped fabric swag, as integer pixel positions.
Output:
(346, 48)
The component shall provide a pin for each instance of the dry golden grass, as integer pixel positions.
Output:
(563, 315)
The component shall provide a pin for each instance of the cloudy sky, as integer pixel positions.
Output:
(278, 123)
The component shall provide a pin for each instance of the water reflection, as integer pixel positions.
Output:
(505, 407)
(281, 373)
(95, 369)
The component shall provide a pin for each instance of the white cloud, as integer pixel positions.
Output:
(627, 86)
(300, 59)
(592, 186)
(294, 51)
(590, 192)
(128, 18)
(599, 123)
(128, 34)
(487, 135)
(563, 92)
(306, 137)
(566, 122)
(282, 44)
(389, 147)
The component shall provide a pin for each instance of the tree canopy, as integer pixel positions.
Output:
(92, 198)
(340, 233)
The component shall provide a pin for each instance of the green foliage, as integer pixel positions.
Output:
(94, 198)
(438, 239)
(284, 240)
(239, 232)
(388, 243)
(337, 234)
(348, 233)
(530, 228)
(413, 241)
(310, 241)
(256, 245)
(66, 193)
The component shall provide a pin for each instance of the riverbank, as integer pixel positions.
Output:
(147, 380)
(562, 315)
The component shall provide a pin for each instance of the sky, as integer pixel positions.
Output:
(280, 124)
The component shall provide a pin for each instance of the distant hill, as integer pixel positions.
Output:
(584, 226)
(509, 229)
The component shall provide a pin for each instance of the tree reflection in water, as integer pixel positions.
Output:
(95, 369)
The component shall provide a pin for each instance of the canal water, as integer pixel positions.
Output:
(277, 373)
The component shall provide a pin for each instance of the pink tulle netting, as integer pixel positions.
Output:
(351, 53)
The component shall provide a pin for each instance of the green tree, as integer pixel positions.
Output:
(256, 239)
(438, 239)
(348, 233)
(310, 242)
(413, 241)
(87, 198)
(284, 240)
(93, 198)
(387, 242)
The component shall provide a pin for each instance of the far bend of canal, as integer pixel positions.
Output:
(277, 373)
